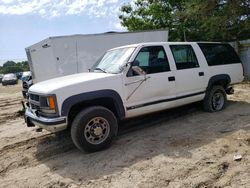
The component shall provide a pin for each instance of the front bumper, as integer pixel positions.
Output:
(9, 82)
(51, 124)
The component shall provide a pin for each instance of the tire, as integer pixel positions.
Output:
(94, 129)
(215, 99)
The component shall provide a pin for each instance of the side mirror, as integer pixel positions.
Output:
(138, 70)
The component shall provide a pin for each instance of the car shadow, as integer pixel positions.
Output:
(172, 133)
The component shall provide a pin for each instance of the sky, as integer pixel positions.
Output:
(25, 22)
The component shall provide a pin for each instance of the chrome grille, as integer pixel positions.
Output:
(34, 97)
(34, 101)
(34, 106)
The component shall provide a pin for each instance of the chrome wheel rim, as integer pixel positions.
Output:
(97, 130)
(218, 101)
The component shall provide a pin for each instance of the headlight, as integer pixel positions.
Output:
(44, 105)
(48, 104)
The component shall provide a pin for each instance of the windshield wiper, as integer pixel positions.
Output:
(97, 68)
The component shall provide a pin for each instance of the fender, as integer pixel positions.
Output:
(219, 78)
(88, 96)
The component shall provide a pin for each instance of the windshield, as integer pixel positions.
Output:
(26, 74)
(112, 61)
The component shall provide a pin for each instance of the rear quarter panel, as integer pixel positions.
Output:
(235, 71)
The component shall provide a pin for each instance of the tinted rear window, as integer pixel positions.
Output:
(184, 56)
(219, 54)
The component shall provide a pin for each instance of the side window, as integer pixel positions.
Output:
(184, 56)
(219, 54)
(142, 58)
(152, 59)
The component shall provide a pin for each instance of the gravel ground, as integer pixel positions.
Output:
(183, 147)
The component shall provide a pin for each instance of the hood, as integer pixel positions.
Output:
(9, 78)
(49, 86)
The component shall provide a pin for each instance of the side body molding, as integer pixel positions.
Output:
(221, 78)
(94, 95)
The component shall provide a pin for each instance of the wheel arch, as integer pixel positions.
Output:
(221, 79)
(106, 98)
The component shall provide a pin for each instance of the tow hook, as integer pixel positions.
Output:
(230, 91)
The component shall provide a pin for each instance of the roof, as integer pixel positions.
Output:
(160, 43)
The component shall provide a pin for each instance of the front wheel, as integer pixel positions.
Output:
(215, 99)
(94, 128)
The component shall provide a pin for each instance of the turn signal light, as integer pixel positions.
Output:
(52, 104)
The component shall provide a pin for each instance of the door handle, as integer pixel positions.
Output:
(201, 73)
(171, 78)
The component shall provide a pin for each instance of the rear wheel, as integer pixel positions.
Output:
(215, 99)
(94, 128)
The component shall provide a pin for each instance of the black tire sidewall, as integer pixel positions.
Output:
(80, 122)
(208, 106)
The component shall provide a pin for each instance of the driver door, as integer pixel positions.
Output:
(155, 89)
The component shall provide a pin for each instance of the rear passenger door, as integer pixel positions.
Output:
(189, 75)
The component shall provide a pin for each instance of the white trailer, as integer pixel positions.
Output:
(65, 55)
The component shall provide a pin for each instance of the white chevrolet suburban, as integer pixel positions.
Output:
(130, 81)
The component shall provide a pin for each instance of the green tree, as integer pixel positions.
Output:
(9, 64)
(24, 65)
(152, 14)
(221, 20)
(218, 20)
(12, 67)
